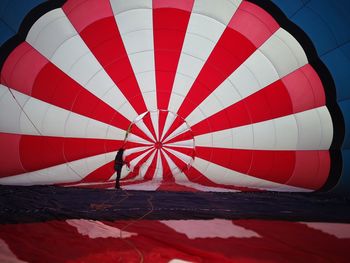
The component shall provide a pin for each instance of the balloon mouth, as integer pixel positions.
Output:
(162, 142)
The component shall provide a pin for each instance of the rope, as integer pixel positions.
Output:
(37, 129)
(149, 200)
(132, 222)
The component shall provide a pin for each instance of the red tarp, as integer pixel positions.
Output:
(216, 240)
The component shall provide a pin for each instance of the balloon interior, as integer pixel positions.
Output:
(232, 114)
(212, 98)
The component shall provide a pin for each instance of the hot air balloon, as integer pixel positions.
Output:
(205, 96)
(218, 97)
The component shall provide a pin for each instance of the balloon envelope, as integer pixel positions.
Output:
(215, 97)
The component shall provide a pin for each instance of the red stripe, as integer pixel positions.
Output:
(82, 13)
(137, 131)
(129, 176)
(149, 124)
(187, 135)
(305, 88)
(26, 153)
(275, 240)
(184, 150)
(176, 124)
(101, 35)
(135, 171)
(274, 166)
(299, 241)
(152, 168)
(130, 145)
(19, 72)
(316, 84)
(185, 5)
(134, 155)
(167, 173)
(138, 165)
(306, 169)
(293, 93)
(229, 53)
(249, 28)
(254, 23)
(101, 174)
(311, 169)
(56, 150)
(46, 82)
(10, 159)
(162, 118)
(253, 162)
(178, 162)
(170, 20)
(174, 187)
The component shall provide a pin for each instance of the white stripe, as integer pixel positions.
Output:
(136, 161)
(185, 144)
(88, 184)
(206, 25)
(339, 230)
(181, 179)
(143, 170)
(142, 126)
(176, 260)
(122, 6)
(135, 23)
(6, 254)
(311, 130)
(203, 188)
(50, 31)
(145, 186)
(284, 51)
(124, 173)
(300, 131)
(173, 167)
(326, 127)
(279, 56)
(146, 165)
(225, 138)
(55, 37)
(220, 10)
(183, 157)
(49, 120)
(134, 138)
(130, 151)
(96, 229)
(18, 122)
(214, 228)
(221, 175)
(155, 122)
(158, 175)
(3, 91)
(63, 173)
(181, 129)
(170, 118)
(108, 183)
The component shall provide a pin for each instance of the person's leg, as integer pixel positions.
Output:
(117, 184)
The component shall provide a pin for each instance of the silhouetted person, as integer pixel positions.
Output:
(118, 165)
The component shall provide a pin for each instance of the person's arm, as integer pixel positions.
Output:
(127, 163)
